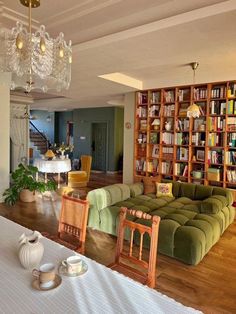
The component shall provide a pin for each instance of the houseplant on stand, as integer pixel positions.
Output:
(24, 185)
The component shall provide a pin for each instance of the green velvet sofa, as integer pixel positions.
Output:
(192, 221)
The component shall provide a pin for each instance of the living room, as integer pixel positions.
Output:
(138, 70)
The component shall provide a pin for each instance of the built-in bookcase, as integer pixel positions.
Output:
(170, 145)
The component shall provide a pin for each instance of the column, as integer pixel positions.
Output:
(128, 161)
(5, 79)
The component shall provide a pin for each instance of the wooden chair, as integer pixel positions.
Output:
(80, 178)
(73, 221)
(148, 274)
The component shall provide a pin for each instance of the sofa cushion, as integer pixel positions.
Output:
(188, 190)
(136, 189)
(213, 204)
(203, 192)
(225, 192)
(175, 187)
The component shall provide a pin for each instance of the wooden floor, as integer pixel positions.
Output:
(209, 286)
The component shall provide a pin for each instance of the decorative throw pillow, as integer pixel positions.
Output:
(149, 186)
(164, 189)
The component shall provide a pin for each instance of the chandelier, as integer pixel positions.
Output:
(193, 110)
(36, 60)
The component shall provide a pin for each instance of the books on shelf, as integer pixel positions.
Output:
(218, 92)
(230, 157)
(152, 165)
(182, 124)
(142, 98)
(231, 140)
(141, 112)
(180, 169)
(217, 107)
(167, 152)
(231, 107)
(182, 154)
(216, 124)
(169, 110)
(166, 167)
(231, 123)
(199, 124)
(154, 111)
(215, 157)
(181, 138)
(169, 96)
(155, 97)
(143, 124)
(231, 92)
(231, 176)
(184, 94)
(216, 139)
(167, 138)
(200, 93)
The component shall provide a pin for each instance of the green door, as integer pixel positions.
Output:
(99, 146)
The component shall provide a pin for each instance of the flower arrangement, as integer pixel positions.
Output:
(62, 148)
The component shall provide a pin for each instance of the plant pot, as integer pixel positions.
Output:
(27, 196)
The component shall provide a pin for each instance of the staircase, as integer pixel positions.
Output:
(38, 139)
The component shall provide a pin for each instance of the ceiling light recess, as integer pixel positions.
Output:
(36, 60)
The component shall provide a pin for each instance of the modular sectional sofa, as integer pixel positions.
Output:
(192, 221)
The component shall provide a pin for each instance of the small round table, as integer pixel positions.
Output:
(53, 166)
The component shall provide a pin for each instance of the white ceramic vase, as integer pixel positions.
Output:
(30, 250)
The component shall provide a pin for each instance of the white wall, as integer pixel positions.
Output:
(4, 132)
(129, 115)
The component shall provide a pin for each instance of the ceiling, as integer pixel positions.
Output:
(152, 41)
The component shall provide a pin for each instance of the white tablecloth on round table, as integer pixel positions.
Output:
(53, 166)
(100, 290)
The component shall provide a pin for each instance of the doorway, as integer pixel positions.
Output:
(99, 146)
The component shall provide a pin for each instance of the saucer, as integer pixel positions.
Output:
(63, 270)
(36, 284)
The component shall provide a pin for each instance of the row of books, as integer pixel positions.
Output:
(231, 176)
(217, 107)
(216, 124)
(182, 124)
(231, 90)
(231, 123)
(200, 93)
(230, 157)
(182, 154)
(215, 157)
(141, 165)
(218, 92)
(142, 98)
(180, 169)
(155, 97)
(181, 138)
(184, 94)
(198, 139)
(152, 165)
(231, 140)
(141, 112)
(231, 107)
(169, 96)
(154, 111)
(167, 152)
(167, 138)
(143, 124)
(216, 139)
(169, 111)
(166, 167)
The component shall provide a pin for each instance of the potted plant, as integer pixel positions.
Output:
(24, 185)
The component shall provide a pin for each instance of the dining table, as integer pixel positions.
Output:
(98, 290)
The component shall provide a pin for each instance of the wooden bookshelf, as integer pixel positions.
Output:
(198, 150)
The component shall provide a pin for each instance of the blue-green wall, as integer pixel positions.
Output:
(43, 125)
(83, 119)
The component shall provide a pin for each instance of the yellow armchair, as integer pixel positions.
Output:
(77, 179)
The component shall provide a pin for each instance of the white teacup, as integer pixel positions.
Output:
(73, 264)
(46, 275)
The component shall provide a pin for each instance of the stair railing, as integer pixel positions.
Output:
(44, 138)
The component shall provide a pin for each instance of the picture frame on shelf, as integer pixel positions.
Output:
(200, 155)
(155, 151)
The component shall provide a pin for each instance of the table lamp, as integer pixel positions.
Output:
(156, 124)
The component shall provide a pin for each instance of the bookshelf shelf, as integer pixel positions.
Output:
(206, 144)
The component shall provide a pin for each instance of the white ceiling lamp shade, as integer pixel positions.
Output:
(193, 110)
(36, 60)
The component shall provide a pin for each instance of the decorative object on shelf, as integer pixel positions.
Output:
(49, 154)
(36, 60)
(30, 250)
(193, 110)
(128, 125)
(156, 124)
(168, 125)
(24, 184)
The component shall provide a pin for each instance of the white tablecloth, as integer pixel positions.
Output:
(100, 290)
(53, 166)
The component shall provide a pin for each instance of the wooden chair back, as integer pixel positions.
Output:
(73, 220)
(149, 268)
